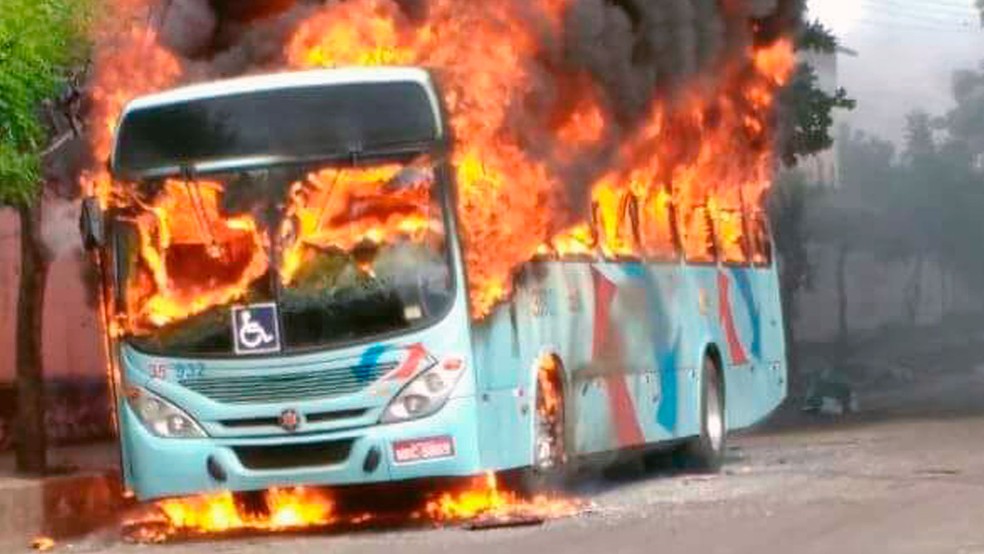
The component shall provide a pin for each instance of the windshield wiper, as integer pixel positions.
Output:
(201, 215)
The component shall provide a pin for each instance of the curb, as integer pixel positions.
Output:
(61, 506)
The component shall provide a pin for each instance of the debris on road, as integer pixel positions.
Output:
(484, 523)
(830, 394)
(43, 544)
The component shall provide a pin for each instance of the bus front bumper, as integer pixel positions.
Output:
(441, 445)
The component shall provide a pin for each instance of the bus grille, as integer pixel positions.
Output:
(311, 385)
(294, 456)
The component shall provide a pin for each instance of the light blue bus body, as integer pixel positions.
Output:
(664, 319)
(631, 338)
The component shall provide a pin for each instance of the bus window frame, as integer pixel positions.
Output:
(678, 254)
(715, 247)
(454, 251)
(746, 244)
(770, 244)
(597, 232)
(765, 232)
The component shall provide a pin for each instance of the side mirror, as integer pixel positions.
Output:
(91, 224)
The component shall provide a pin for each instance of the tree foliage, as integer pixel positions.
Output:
(925, 201)
(809, 115)
(814, 36)
(39, 42)
(787, 206)
(807, 110)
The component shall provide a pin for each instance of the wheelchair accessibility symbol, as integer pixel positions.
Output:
(256, 329)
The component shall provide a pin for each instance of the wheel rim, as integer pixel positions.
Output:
(548, 443)
(545, 449)
(715, 415)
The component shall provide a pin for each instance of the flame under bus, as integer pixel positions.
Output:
(286, 295)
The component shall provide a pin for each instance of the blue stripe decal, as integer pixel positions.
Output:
(666, 359)
(368, 360)
(745, 289)
(669, 385)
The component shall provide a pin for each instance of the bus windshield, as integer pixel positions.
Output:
(346, 252)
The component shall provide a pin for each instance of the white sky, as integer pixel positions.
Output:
(907, 51)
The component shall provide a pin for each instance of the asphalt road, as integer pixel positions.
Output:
(891, 481)
(902, 485)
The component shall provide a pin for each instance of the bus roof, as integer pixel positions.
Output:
(263, 86)
(285, 80)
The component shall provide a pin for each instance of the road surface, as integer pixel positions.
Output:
(896, 480)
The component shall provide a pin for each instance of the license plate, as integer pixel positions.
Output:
(417, 450)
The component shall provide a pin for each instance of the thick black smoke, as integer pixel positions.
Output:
(634, 51)
(644, 49)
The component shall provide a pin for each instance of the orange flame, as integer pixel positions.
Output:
(295, 509)
(127, 65)
(340, 208)
(192, 258)
(43, 544)
(484, 499)
(282, 510)
(691, 176)
(508, 200)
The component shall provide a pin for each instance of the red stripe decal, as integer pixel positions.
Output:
(627, 427)
(405, 370)
(608, 343)
(737, 351)
(604, 296)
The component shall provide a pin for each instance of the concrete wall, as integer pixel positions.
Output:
(876, 292)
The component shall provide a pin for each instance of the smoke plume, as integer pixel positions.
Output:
(557, 106)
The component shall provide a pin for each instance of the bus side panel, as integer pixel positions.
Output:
(631, 338)
(580, 341)
(683, 351)
(554, 305)
(663, 307)
(754, 302)
(739, 307)
(774, 334)
(694, 294)
(773, 339)
(504, 426)
(621, 330)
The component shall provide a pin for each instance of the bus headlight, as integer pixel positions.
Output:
(426, 393)
(162, 418)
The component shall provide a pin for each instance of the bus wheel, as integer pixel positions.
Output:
(549, 449)
(706, 452)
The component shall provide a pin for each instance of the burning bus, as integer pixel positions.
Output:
(288, 300)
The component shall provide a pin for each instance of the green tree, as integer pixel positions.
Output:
(806, 118)
(806, 109)
(787, 207)
(40, 41)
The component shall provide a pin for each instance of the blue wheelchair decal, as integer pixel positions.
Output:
(256, 329)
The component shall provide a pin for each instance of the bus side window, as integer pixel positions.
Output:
(698, 232)
(657, 227)
(732, 238)
(761, 242)
(615, 217)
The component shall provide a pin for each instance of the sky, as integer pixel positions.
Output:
(907, 52)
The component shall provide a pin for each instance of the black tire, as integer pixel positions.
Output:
(549, 470)
(706, 452)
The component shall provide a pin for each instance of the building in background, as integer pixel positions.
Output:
(823, 169)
